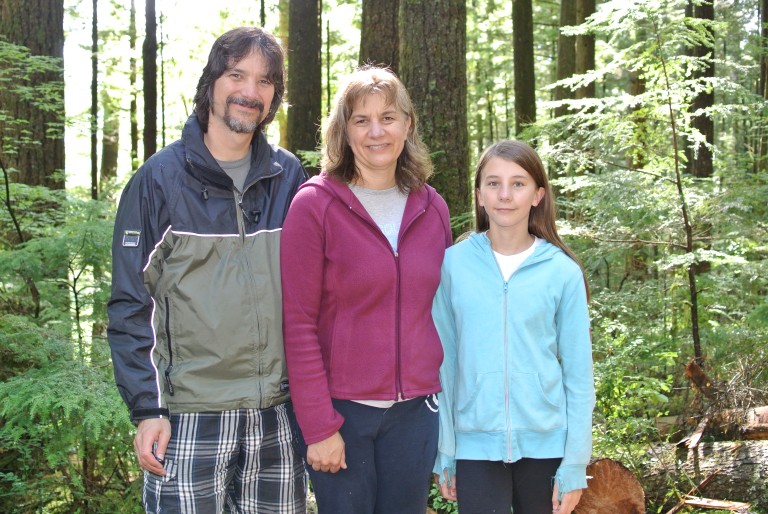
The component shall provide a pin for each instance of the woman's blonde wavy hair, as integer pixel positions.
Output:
(414, 166)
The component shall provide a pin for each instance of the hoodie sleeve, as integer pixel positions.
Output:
(302, 262)
(575, 350)
(130, 332)
(442, 313)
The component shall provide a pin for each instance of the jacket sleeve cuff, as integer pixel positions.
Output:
(569, 478)
(139, 414)
(444, 463)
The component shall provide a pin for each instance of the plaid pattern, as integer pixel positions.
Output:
(237, 461)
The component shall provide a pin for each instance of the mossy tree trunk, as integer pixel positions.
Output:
(433, 66)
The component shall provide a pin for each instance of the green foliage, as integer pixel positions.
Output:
(440, 504)
(65, 434)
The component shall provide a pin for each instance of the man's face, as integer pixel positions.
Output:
(242, 95)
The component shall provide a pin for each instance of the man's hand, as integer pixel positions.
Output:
(569, 502)
(152, 434)
(328, 454)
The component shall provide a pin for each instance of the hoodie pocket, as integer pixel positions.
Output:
(480, 404)
(530, 408)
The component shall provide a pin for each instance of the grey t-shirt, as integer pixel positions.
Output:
(385, 206)
(237, 170)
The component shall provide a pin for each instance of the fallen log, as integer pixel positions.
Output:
(749, 423)
(742, 475)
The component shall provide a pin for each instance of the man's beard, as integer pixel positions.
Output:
(243, 126)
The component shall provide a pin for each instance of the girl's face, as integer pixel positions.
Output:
(507, 192)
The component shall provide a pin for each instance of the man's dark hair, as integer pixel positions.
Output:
(229, 49)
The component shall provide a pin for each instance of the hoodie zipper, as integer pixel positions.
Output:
(506, 343)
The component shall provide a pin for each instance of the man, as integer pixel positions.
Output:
(195, 315)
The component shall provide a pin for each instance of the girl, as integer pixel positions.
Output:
(511, 312)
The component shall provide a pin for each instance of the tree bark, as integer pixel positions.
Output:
(304, 75)
(94, 100)
(742, 476)
(566, 54)
(378, 33)
(433, 66)
(700, 157)
(39, 26)
(134, 115)
(149, 61)
(585, 48)
(525, 76)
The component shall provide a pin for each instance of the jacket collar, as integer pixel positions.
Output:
(204, 166)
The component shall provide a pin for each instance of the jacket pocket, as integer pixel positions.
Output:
(169, 342)
(530, 408)
(480, 404)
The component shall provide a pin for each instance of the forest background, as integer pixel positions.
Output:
(651, 117)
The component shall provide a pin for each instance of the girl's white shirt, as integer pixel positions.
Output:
(508, 264)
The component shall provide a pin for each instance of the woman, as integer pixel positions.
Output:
(511, 310)
(361, 250)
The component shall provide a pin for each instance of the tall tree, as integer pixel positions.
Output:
(585, 48)
(566, 53)
(32, 133)
(304, 75)
(433, 66)
(525, 76)
(134, 115)
(94, 100)
(378, 33)
(699, 155)
(149, 61)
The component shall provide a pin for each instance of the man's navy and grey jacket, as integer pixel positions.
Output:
(195, 318)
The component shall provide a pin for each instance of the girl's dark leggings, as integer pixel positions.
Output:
(484, 487)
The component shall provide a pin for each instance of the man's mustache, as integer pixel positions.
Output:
(253, 104)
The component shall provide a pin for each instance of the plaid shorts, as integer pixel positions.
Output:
(237, 461)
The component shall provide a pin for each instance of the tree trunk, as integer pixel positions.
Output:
(525, 82)
(761, 139)
(304, 75)
(742, 477)
(134, 115)
(39, 26)
(700, 157)
(149, 61)
(95, 101)
(378, 33)
(109, 141)
(433, 66)
(566, 54)
(585, 48)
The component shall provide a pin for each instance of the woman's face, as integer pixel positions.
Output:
(376, 133)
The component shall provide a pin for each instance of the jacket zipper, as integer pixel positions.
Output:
(396, 255)
(241, 217)
(170, 347)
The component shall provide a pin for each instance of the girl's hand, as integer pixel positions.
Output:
(448, 487)
(569, 502)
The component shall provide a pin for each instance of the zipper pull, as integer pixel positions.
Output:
(168, 379)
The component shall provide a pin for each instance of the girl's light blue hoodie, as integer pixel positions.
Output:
(517, 374)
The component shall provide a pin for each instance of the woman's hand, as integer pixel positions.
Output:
(327, 455)
(568, 503)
